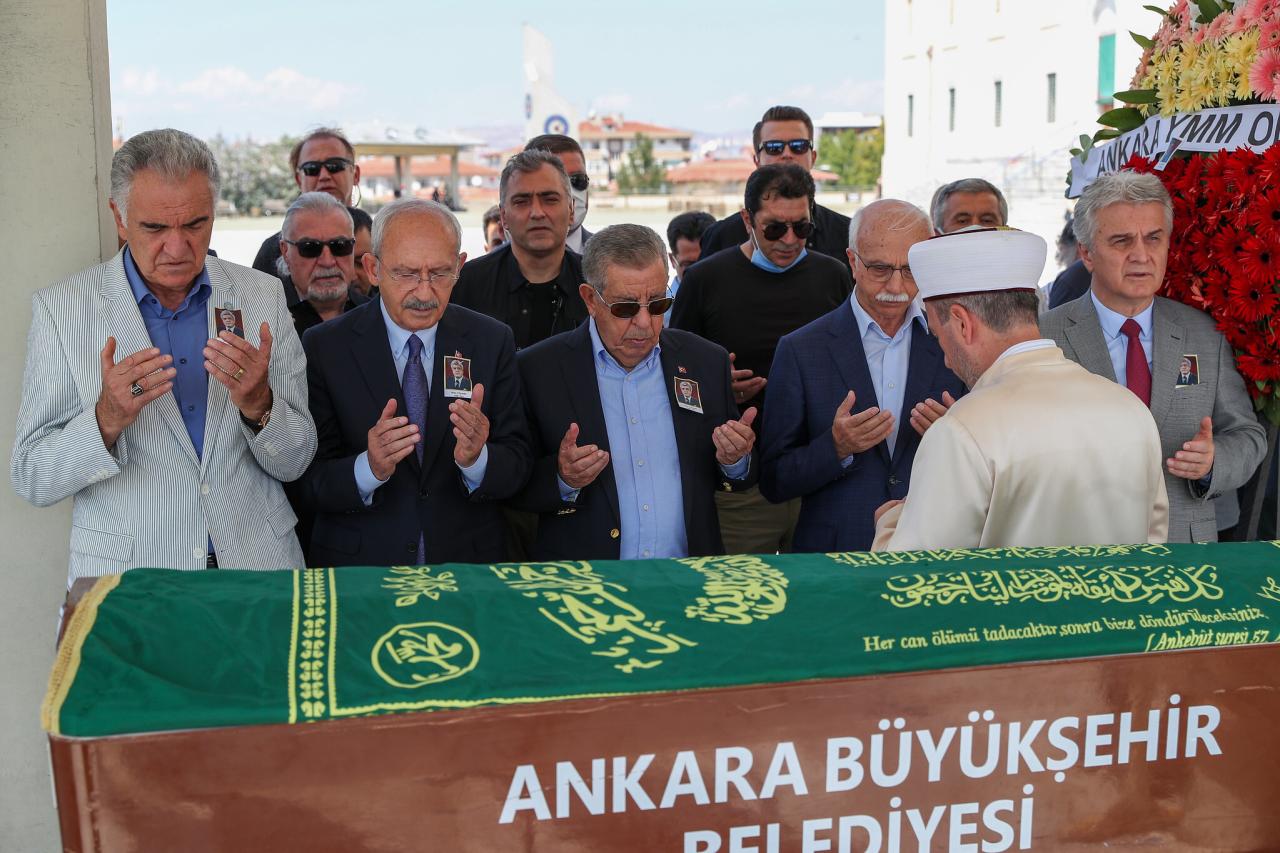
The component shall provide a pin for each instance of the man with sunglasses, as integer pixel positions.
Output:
(851, 393)
(784, 135)
(575, 165)
(745, 299)
(322, 161)
(634, 426)
(317, 250)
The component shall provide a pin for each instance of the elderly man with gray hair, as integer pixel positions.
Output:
(966, 203)
(634, 426)
(317, 246)
(1211, 441)
(409, 470)
(172, 441)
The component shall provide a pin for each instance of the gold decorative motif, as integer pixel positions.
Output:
(415, 582)
(588, 608)
(312, 642)
(859, 559)
(1270, 590)
(1117, 584)
(424, 653)
(738, 590)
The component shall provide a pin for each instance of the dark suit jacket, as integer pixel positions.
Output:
(561, 388)
(351, 376)
(813, 369)
(1070, 285)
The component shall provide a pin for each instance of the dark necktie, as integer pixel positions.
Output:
(414, 384)
(1137, 373)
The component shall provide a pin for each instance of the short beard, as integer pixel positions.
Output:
(325, 294)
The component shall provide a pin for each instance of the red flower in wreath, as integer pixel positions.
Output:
(1263, 213)
(1252, 301)
(1259, 260)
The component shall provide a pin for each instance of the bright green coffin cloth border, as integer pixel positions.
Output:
(157, 650)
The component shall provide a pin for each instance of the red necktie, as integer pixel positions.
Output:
(1138, 375)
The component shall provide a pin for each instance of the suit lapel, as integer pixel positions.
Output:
(851, 361)
(1084, 334)
(450, 339)
(124, 322)
(1167, 342)
(922, 366)
(580, 377)
(371, 352)
(688, 425)
(219, 411)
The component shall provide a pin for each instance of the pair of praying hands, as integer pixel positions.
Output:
(393, 438)
(863, 431)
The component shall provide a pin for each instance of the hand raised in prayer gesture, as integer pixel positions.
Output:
(118, 404)
(470, 428)
(1195, 460)
(744, 383)
(390, 440)
(925, 413)
(734, 439)
(579, 466)
(863, 431)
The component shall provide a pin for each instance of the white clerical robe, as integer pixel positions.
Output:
(1040, 452)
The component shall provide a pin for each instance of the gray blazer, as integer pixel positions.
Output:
(153, 502)
(1239, 440)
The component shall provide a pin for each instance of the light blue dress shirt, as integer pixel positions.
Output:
(644, 455)
(398, 338)
(1117, 343)
(887, 360)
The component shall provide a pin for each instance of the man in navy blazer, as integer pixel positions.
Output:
(634, 426)
(851, 393)
(405, 472)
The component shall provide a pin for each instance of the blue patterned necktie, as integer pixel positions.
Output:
(414, 384)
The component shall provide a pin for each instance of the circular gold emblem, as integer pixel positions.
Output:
(424, 653)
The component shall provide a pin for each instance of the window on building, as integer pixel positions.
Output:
(1106, 70)
(1051, 99)
(911, 115)
(999, 102)
(951, 109)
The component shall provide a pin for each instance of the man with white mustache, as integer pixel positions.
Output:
(850, 394)
(317, 248)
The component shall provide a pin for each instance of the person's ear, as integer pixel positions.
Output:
(370, 264)
(1085, 256)
(588, 294)
(121, 231)
(746, 218)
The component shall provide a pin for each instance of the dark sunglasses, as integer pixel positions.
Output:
(580, 181)
(773, 147)
(333, 166)
(340, 247)
(627, 310)
(774, 230)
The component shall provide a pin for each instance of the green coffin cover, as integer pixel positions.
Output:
(157, 650)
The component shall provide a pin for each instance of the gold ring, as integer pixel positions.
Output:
(239, 372)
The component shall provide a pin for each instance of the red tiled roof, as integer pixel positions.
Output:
(727, 172)
(425, 167)
(611, 127)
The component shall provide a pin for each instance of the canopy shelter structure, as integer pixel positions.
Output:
(390, 143)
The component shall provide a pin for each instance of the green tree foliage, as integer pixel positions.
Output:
(854, 156)
(641, 173)
(253, 172)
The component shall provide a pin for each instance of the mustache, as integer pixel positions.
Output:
(892, 297)
(413, 303)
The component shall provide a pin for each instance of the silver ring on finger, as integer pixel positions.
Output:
(136, 389)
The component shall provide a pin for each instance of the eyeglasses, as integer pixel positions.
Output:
(626, 310)
(433, 277)
(333, 166)
(340, 247)
(580, 181)
(881, 273)
(774, 147)
(775, 230)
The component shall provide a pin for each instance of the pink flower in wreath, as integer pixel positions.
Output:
(1264, 77)
(1269, 35)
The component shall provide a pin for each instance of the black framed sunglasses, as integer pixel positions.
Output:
(774, 147)
(627, 310)
(333, 166)
(774, 230)
(580, 181)
(340, 247)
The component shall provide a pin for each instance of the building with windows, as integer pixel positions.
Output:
(606, 141)
(1001, 89)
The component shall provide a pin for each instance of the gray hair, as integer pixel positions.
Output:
(1123, 187)
(1000, 310)
(898, 216)
(631, 246)
(172, 153)
(316, 202)
(403, 206)
(528, 162)
(965, 185)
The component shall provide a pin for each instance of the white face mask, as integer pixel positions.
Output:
(579, 208)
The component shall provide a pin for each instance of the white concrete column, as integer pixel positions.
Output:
(55, 155)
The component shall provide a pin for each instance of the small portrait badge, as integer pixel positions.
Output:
(229, 320)
(1188, 371)
(457, 377)
(687, 394)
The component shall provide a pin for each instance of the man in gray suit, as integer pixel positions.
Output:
(172, 443)
(1123, 331)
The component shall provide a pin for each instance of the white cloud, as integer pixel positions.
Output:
(230, 86)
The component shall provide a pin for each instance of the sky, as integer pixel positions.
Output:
(261, 69)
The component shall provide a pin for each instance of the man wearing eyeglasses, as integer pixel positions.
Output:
(851, 393)
(408, 471)
(634, 426)
(745, 299)
(530, 283)
(322, 161)
(317, 250)
(785, 135)
(575, 166)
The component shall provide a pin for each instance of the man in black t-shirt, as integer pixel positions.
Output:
(530, 283)
(747, 297)
(785, 135)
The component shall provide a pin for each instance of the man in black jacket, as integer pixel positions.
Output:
(530, 283)
(634, 427)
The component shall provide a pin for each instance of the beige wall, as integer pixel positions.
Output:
(55, 149)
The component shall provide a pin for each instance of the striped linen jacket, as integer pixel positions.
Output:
(152, 501)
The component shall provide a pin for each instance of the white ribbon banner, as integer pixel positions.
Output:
(1253, 126)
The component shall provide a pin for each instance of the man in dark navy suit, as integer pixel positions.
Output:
(851, 393)
(634, 426)
(406, 473)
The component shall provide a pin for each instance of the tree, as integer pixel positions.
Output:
(641, 173)
(854, 156)
(253, 172)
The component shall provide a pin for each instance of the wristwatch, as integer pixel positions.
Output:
(257, 425)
